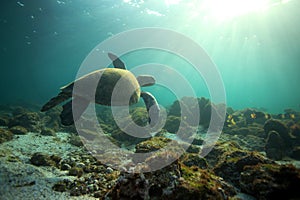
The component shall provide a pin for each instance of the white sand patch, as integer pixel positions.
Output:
(22, 180)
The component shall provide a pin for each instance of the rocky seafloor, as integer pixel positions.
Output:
(257, 156)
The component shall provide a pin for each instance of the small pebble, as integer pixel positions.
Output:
(66, 166)
(81, 179)
(96, 187)
(72, 159)
(109, 170)
(90, 187)
(80, 165)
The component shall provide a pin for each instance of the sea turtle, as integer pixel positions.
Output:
(104, 81)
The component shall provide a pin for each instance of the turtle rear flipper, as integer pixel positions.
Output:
(68, 116)
(152, 108)
(117, 62)
(61, 97)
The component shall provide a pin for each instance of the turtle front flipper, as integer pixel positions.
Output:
(152, 108)
(61, 97)
(68, 116)
(145, 80)
(117, 62)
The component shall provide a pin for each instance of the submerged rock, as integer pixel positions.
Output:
(253, 129)
(125, 138)
(279, 127)
(18, 130)
(89, 176)
(152, 144)
(295, 132)
(89, 134)
(231, 165)
(18, 110)
(43, 159)
(275, 146)
(192, 107)
(61, 186)
(48, 132)
(201, 184)
(161, 159)
(172, 124)
(247, 119)
(219, 150)
(130, 186)
(163, 149)
(5, 135)
(271, 181)
(296, 153)
(193, 149)
(175, 181)
(125, 131)
(28, 120)
(51, 118)
(76, 141)
(254, 116)
(292, 114)
(140, 116)
(190, 160)
(281, 138)
(76, 171)
(4, 121)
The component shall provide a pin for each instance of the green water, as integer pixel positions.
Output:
(43, 44)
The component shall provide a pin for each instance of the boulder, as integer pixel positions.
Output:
(4, 121)
(18, 130)
(296, 153)
(232, 164)
(5, 135)
(28, 120)
(43, 159)
(271, 181)
(275, 146)
(279, 127)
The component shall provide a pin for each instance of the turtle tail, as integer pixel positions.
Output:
(61, 97)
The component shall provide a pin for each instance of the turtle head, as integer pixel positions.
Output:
(145, 80)
(135, 97)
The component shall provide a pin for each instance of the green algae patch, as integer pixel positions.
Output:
(200, 184)
(5, 135)
(140, 116)
(153, 144)
(270, 181)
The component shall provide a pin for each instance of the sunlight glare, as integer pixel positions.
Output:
(223, 10)
(172, 2)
